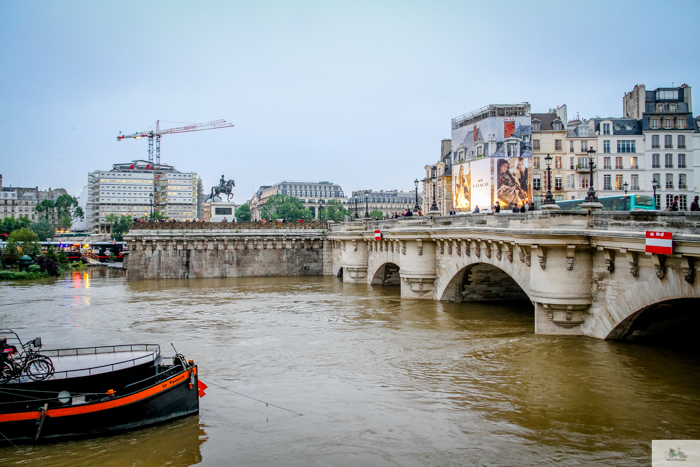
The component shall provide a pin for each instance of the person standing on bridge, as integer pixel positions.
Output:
(674, 206)
(694, 206)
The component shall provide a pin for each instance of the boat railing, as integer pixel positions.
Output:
(152, 349)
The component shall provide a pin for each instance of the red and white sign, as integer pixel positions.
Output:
(659, 242)
(377, 234)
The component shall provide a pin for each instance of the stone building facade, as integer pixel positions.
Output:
(311, 194)
(388, 202)
(549, 138)
(19, 202)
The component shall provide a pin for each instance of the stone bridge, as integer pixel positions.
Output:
(585, 273)
(184, 250)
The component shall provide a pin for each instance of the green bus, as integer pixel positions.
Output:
(614, 203)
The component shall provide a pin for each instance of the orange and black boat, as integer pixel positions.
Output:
(89, 405)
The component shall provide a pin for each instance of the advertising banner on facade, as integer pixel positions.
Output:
(513, 182)
(473, 185)
(462, 182)
(493, 137)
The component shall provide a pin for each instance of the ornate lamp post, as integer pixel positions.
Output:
(415, 182)
(356, 216)
(625, 186)
(655, 185)
(591, 198)
(549, 199)
(433, 179)
(366, 204)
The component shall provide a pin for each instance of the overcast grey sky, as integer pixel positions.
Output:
(357, 92)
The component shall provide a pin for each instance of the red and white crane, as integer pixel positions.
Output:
(154, 135)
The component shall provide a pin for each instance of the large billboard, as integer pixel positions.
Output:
(484, 182)
(493, 137)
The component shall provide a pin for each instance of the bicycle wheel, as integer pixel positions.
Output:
(6, 373)
(39, 368)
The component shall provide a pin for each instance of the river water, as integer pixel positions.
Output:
(379, 380)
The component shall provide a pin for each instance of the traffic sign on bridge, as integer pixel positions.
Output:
(659, 242)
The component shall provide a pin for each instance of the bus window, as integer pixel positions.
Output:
(621, 203)
(643, 201)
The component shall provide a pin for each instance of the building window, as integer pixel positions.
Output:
(557, 162)
(626, 146)
(557, 182)
(618, 163)
(606, 163)
(535, 126)
(557, 145)
(669, 181)
(606, 182)
(535, 144)
(618, 182)
(656, 161)
(606, 146)
(681, 141)
(606, 128)
(535, 162)
(571, 163)
(583, 162)
(669, 201)
(668, 123)
(671, 107)
(681, 161)
(634, 162)
(571, 146)
(657, 202)
(659, 107)
(635, 182)
(557, 126)
(570, 180)
(654, 123)
(584, 146)
(680, 122)
(668, 141)
(669, 161)
(655, 141)
(583, 181)
(536, 182)
(682, 183)
(683, 203)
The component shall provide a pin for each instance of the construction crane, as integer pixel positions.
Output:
(154, 135)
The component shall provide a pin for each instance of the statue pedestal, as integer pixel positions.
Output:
(217, 211)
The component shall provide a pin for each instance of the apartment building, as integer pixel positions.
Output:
(139, 188)
(311, 194)
(549, 134)
(579, 140)
(667, 123)
(388, 202)
(438, 182)
(22, 201)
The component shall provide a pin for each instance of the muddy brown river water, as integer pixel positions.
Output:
(379, 380)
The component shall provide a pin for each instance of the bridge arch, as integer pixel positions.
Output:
(479, 275)
(671, 321)
(386, 274)
(620, 318)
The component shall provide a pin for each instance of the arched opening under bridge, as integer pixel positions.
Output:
(483, 282)
(387, 274)
(670, 323)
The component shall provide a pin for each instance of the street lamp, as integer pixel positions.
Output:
(366, 204)
(625, 186)
(433, 179)
(591, 198)
(655, 185)
(549, 199)
(356, 216)
(416, 184)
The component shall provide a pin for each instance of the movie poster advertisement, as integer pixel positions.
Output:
(513, 182)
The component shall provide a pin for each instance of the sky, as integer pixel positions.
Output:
(359, 93)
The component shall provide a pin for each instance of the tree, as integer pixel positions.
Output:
(65, 206)
(65, 222)
(333, 211)
(21, 242)
(376, 214)
(10, 224)
(120, 226)
(155, 216)
(285, 207)
(243, 213)
(43, 229)
(46, 207)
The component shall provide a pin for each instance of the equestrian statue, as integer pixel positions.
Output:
(223, 187)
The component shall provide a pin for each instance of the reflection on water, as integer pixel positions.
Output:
(380, 380)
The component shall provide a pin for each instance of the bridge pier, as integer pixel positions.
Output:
(354, 261)
(418, 269)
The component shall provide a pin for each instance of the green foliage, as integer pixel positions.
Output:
(45, 208)
(333, 211)
(62, 260)
(78, 266)
(10, 224)
(78, 213)
(285, 207)
(112, 257)
(23, 274)
(65, 222)
(43, 229)
(120, 226)
(34, 268)
(65, 206)
(48, 265)
(243, 213)
(156, 216)
(376, 214)
(21, 242)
